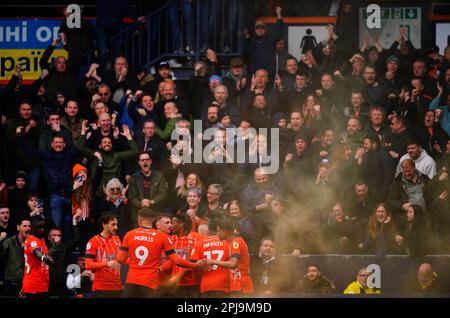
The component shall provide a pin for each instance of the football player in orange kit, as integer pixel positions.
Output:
(36, 272)
(215, 280)
(184, 239)
(143, 248)
(101, 252)
(239, 263)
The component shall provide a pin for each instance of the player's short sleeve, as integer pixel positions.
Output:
(124, 245)
(195, 252)
(236, 248)
(34, 244)
(91, 249)
(167, 244)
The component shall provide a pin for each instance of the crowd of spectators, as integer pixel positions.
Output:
(363, 148)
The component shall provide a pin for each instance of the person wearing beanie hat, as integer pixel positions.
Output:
(279, 120)
(224, 119)
(82, 192)
(392, 75)
(393, 58)
(77, 168)
(21, 175)
(216, 78)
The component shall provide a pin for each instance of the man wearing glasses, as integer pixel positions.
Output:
(360, 285)
(148, 188)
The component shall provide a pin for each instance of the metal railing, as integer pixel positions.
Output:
(180, 29)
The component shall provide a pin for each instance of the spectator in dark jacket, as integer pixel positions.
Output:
(257, 196)
(13, 95)
(141, 113)
(11, 252)
(245, 225)
(396, 142)
(54, 127)
(314, 282)
(120, 79)
(59, 251)
(262, 45)
(18, 196)
(431, 136)
(62, 75)
(260, 113)
(381, 235)
(58, 163)
(339, 232)
(419, 239)
(28, 124)
(77, 41)
(377, 168)
(266, 271)
(148, 188)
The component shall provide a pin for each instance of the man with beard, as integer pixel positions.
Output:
(35, 282)
(104, 128)
(221, 97)
(148, 188)
(112, 159)
(101, 252)
(11, 252)
(377, 167)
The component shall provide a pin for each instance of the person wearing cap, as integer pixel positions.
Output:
(262, 45)
(236, 79)
(163, 72)
(392, 77)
